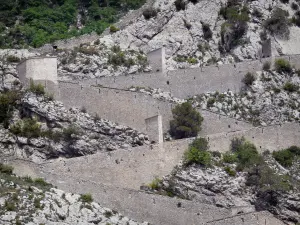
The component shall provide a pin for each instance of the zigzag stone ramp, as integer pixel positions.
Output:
(150, 207)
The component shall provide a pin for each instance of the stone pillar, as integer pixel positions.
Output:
(156, 60)
(154, 128)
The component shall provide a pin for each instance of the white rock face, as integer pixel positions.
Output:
(91, 134)
(55, 207)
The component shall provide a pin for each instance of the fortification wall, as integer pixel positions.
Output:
(140, 165)
(258, 218)
(125, 107)
(133, 108)
(270, 138)
(186, 83)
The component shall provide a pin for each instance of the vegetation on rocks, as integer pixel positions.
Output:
(197, 153)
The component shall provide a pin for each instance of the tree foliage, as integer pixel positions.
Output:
(44, 21)
(186, 122)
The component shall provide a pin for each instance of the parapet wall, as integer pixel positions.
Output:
(185, 83)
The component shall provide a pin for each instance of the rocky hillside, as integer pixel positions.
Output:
(240, 179)
(36, 127)
(205, 32)
(33, 201)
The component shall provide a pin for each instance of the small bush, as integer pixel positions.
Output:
(283, 66)
(266, 179)
(246, 153)
(290, 87)
(249, 79)
(38, 89)
(113, 29)
(286, 156)
(230, 171)
(37, 203)
(40, 182)
(207, 33)
(108, 214)
(186, 122)
(69, 132)
(210, 102)
(229, 158)
(194, 155)
(192, 60)
(9, 206)
(155, 184)
(149, 13)
(28, 127)
(7, 169)
(180, 5)
(278, 23)
(13, 59)
(266, 66)
(200, 143)
(86, 198)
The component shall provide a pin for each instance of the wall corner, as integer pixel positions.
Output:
(156, 59)
(154, 128)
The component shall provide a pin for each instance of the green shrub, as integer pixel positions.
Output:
(286, 156)
(10, 206)
(266, 66)
(37, 203)
(41, 182)
(27, 127)
(192, 60)
(246, 153)
(266, 179)
(194, 155)
(230, 171)
(249, 79)
(278, 23)
(200, 143)
(70, 131)
(283, 66)
(186, 122)
(8, 101)
(13, 59)
(7, 169)
(149, 13)
(230, 157)
(108, 214)
(296, 19)
(155, 184)
(210, 102)
(290, 87)
(86, 198)
(113, 29)
(38, 89)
